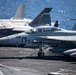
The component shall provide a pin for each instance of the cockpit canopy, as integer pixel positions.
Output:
(45, 28)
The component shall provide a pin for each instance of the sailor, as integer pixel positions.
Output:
(56, 23)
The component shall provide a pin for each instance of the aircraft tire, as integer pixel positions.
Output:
(40, 54)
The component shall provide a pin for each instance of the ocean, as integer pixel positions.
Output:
(62, 10)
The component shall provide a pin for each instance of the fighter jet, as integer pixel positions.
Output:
(58, 38)
(18, 23)
(41, 33)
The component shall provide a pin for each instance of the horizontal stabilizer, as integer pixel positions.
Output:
(20, 12)
(74, 27)
(38, 18)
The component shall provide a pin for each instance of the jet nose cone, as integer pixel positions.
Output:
(67, 52)
(73, 54)
(54, 73)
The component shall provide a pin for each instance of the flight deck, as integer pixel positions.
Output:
(24, 61)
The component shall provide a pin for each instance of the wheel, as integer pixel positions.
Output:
(40, 54)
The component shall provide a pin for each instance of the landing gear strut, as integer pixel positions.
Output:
(40, 53)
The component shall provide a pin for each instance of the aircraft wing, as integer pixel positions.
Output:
(60, 38)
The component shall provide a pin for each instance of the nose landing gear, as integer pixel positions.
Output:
(41, 52)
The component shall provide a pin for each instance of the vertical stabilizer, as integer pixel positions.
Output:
(37, 19)
(20, 12)
(45, 19)
(74, 27)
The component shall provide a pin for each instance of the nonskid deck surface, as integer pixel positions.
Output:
(24, 61)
